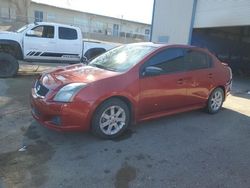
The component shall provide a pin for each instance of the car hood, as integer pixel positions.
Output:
(74, 74)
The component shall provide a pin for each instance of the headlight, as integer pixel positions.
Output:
(67, 93)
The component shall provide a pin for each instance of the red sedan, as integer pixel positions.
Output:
(128, 84)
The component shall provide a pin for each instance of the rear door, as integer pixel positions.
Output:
(69, 43)
(40, 43)
(167, 91)
(200, 76)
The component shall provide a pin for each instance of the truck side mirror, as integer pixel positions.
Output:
(30, 33)
(84, 60)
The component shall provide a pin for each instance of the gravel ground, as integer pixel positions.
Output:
(191, 149)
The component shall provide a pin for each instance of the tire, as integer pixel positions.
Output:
(111, 119)
(8, 65)
(94, 52)
(215, 101)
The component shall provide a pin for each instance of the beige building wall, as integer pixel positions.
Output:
(87, 22)
(93, 26)
(172, 21)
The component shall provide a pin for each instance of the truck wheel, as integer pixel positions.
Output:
(8, 65)
(94, 52)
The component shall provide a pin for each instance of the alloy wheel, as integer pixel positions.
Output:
(112, 120)
(216, 100)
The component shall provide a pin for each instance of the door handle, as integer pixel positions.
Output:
(184, 80)
(180, 81)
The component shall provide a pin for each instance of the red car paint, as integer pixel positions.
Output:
(148, 97)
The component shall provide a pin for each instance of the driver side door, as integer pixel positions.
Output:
(40, 43)
(166, 91)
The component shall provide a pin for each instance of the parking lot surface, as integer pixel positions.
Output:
(191, 149)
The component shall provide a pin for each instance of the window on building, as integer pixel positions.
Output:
(116, 30)
(44, 31)
(38, 16)
(67, 33)
(197, 60)
(51, 17)
(81, 21)
(4, 12)
(98, 27)
(147, 31)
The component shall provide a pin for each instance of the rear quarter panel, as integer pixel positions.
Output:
(223, 76)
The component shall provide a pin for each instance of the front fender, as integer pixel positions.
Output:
(11, 46)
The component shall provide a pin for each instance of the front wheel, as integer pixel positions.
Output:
(111, 119)
(8, 65)
(215, 101)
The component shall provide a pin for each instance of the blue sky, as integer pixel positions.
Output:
(135, 10)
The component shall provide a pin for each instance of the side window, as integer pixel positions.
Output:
(197, 60)
(67, 33)
(170, 60)
(43, 31)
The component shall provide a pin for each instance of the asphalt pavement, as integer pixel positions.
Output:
(192, 149)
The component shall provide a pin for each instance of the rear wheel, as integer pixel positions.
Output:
(111, 119)
(215, 101)
(8, 65)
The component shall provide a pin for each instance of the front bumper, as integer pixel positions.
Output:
(61, 116)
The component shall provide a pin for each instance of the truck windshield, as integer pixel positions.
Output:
(122, 58)
(20, 30)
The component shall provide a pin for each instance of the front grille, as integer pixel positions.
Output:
(40, 89)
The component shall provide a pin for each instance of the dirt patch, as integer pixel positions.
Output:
(26, 169)
(125, 175)
(118, 151)
(19, 89)
(140, 157)
(31, 133)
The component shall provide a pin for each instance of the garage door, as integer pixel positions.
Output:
(220, 13)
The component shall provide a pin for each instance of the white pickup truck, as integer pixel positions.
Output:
(45, 42)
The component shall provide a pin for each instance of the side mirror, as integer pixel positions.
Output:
(152, 71)
(30, 33)
(84, 60)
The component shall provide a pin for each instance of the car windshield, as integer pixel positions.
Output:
(122, 58)
(20, 30)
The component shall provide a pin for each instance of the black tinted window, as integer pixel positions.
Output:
(197, 60)
(67, 33)
(170, 60)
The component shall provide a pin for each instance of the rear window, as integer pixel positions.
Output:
(197, 60)
(67, 33)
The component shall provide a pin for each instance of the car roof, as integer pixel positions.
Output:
(160, 45)
(166, 45)
(54, 24)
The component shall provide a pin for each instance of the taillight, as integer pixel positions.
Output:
(230, 70)
(225, 64)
